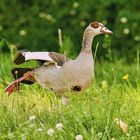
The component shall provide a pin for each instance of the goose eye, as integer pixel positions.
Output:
(95, 25)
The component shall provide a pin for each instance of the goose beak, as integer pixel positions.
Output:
(104, 30)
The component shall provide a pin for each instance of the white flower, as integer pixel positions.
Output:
(42, 14)
(123, 20)
(104, 84)
(126, 31)
(79, 137)
(46, 16)
(113, 139)
(50, 132)
(39, 129)
(59, 126)
(83, 23)
(22, 32)
(76, 4)
(137, 38)
(72, 12)
(33, 117)
(49, 17)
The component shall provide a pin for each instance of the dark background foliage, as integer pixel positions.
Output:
(33, 24)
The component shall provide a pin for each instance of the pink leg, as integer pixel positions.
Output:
(14, 86)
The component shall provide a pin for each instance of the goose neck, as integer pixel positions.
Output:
(87, 41)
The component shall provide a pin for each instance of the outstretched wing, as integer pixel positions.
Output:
(21, 57)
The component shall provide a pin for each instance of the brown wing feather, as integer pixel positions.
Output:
(60, 59)
(19, 58)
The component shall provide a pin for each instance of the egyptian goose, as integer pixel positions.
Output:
(57, 72)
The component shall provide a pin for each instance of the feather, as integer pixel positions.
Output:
(21, 57)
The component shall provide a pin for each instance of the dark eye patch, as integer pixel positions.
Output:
(95, 25)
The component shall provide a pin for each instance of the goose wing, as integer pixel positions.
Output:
(22, 57)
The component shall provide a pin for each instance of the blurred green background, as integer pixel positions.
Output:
(34, 24)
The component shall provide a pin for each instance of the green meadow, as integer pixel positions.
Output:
(108, 110)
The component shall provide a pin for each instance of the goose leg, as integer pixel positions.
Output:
(14, 86)
(65, 100)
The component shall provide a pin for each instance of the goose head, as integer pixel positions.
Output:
(96, 28)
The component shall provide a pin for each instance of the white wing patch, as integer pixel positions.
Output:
(37, 56)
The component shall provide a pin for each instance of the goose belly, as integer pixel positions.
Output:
(63, 79)
(50, 77)
(78, 78)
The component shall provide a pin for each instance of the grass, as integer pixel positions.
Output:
(30, 113)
